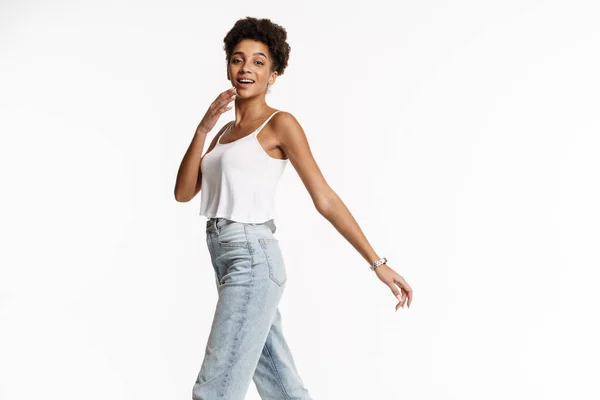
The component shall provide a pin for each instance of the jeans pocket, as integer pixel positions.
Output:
(231, 235)
(275, 261)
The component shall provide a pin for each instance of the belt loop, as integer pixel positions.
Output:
(216, 227)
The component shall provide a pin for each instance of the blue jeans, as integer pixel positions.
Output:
(246, 339)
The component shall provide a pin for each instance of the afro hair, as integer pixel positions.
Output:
(263, 30)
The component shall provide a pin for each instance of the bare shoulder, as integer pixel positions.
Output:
(286, 127)
(290, 137)
(284, 119)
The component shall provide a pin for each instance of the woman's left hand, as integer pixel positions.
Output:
(391, 278)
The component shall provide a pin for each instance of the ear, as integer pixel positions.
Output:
(273, 78)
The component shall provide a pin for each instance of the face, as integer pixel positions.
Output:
(250, 59)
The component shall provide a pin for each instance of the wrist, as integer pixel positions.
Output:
(201, 131)
(374, 259)
(378, 263)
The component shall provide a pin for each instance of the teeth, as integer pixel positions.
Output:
(245, 81)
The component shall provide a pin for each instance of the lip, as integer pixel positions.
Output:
(244, 85)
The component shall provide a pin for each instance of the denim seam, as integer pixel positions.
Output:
(234, 244)
(203, 383)
(245, 246)
(231, 244)
(270, 263)
(242, 325)
(250, 249)
(277, 372)
(211, 251)
(230, 263)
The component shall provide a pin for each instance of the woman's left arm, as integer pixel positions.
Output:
(292, 140)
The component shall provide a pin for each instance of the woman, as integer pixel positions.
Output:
(238, 176)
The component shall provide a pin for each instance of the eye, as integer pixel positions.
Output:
(235, 60)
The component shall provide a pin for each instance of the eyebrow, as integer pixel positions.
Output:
(256, 53)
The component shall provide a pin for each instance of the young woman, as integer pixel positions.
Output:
(238, 175)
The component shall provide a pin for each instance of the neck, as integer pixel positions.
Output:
(250, 109)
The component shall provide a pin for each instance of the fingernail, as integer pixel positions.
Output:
(399, 297)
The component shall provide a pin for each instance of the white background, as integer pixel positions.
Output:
(463, 136)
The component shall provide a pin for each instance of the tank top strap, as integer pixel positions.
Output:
(264, 123)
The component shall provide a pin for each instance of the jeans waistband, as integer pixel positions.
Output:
(216, 223)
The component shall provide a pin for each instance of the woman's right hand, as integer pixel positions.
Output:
(217, 107)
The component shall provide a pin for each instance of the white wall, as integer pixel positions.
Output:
(463, 136)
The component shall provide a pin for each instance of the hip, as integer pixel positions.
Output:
(245, 250)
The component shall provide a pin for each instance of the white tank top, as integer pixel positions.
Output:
(239, 180)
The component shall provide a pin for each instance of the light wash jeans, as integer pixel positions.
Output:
(246, 339)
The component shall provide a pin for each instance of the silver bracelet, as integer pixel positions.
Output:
(378, 263)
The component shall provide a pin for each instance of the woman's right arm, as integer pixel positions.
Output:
(189, 176)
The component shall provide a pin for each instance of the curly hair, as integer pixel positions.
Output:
(263, 30)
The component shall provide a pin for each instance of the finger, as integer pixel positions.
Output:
(229, 99)
(408, 293)
(395, 291)
(402, 290)
(402, 283)
(222, 103)
(225, 95)
(228, 92)
(398, 296)
(399, 302)
(222, 107)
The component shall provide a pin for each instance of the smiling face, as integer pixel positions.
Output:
(250, 60)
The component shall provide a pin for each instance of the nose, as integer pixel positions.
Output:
(245, 66)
